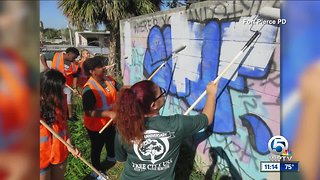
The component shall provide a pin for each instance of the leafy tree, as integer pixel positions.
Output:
(51, 33)
(65, 33)
(90, 13)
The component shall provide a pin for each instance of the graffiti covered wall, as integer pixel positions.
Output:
(213, 33)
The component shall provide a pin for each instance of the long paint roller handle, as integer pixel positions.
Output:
(255, 35)
(105, 126)
(166, 60)
(157, 70)
(196, 102)
(70, 147)
(178, 50)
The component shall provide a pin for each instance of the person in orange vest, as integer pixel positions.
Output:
(53, 153)
(65, 63)
(16, 117)
(98, 96)
(83, 78)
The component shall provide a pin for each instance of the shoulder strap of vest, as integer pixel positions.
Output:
(111, 81)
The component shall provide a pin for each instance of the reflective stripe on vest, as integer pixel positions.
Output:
(44, 139)
(102, 95)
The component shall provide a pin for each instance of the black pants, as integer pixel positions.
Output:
(97, 142)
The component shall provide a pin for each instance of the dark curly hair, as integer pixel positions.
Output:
(51, 94)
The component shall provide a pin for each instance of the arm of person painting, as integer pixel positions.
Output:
(100, 113)
(74, 86)
(307, 141)
(44, 61)
(210, 105)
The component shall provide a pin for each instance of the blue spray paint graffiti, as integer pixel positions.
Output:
(160, 47)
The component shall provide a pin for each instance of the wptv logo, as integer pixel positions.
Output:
(279, 148)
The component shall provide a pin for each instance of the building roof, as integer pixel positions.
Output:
(90, 32)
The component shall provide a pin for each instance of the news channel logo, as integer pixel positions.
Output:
(279, 147)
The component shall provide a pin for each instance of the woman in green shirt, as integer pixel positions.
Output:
(148, 142)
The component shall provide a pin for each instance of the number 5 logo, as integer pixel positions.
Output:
(277, 145)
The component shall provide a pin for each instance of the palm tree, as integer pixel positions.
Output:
(90, 13)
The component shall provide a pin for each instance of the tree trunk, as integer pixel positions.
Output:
(114, 55)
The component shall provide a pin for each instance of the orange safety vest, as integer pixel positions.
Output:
(58, 64)
(52, 151)
(105, 97)
(14, 100)
(83, 78)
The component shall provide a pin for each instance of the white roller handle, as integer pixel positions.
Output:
(105, 126)
(215, 81)
(154, 73)
(255, 35)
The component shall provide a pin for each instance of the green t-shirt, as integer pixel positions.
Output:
(158, 153)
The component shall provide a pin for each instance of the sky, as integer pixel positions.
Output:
(52, 16)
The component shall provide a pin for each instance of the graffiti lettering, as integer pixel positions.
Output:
(276, 103)
(146, 24)
(248, 104)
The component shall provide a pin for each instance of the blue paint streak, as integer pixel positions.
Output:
(209, 64)
(259, 133)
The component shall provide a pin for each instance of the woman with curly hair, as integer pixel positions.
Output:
(53, 153)
(147, 141)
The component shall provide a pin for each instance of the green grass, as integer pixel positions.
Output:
(76, 169)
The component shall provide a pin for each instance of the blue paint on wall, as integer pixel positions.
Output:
(160, 47)
(261, 131)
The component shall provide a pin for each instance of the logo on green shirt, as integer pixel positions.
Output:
(154, 146)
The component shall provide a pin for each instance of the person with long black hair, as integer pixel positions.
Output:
(53, 153)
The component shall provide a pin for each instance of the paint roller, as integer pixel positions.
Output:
(269, 12)
(255, 35)
(166, 60)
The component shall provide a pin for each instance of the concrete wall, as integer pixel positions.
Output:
(248, 111)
